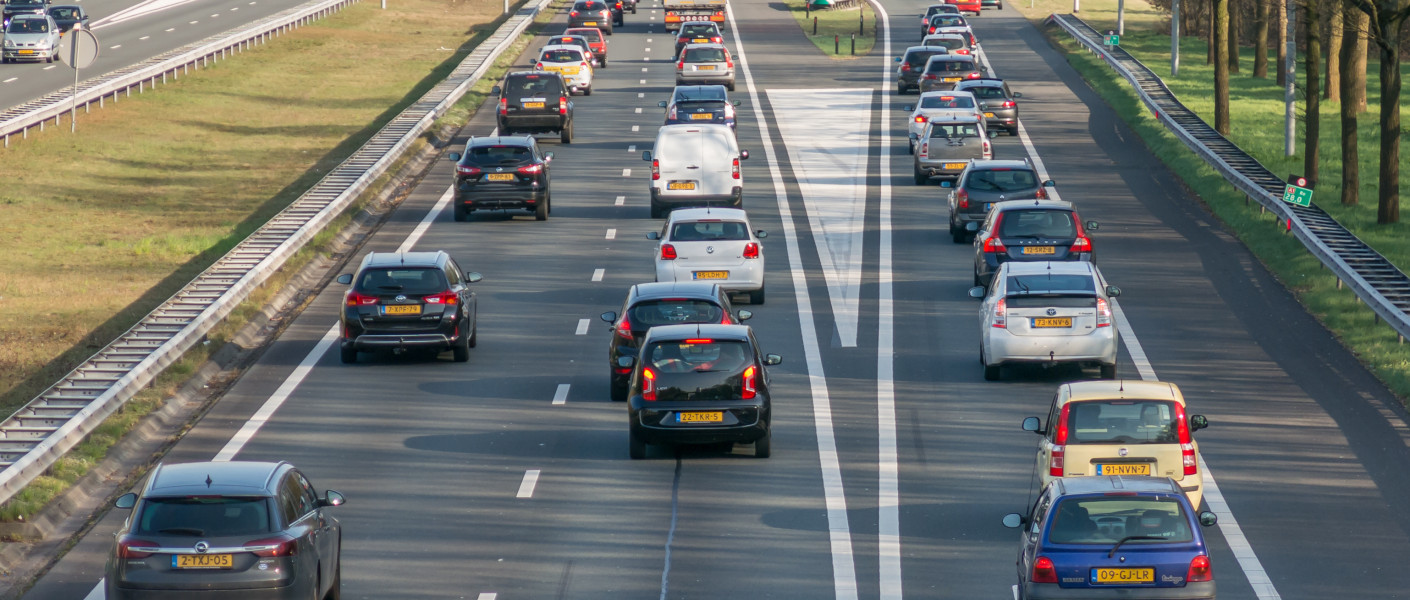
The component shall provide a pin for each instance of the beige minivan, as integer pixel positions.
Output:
(1120, 427)
(695, 165)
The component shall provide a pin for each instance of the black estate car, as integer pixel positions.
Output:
(667, 303)
(535, 102)
(699, 384)
(250, 530)
(497, 173)
(1030, 230)
(402, 300)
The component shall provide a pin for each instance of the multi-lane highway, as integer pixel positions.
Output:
(893, 459)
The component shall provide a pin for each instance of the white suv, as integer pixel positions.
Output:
(712, 244)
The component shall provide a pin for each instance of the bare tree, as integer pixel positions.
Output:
(1260, 39)
(1385, 19)
(1332, 91)
(1313, 58)
(1221, 67)
(1350, 168)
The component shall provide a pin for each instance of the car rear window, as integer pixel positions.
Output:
(532, 85)
(674, 311)
(697, 31)
(412, 281)
(1080, 285)
(709, 231)
(946, 20)
(954, 130)
(590, 6)
(1038, 223)
(562, 55)
(705, 92)
(592, 35)
(950, 66)
(1107, 520)
(497, 155)
(1122, 422)
(917, 58)
(986, 92)
(947, 102)
(62, 13)
(1000, 180)
(705, 55)
(203, 516)
(949, 43)
(699, 369)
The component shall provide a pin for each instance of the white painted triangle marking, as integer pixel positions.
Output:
(829, 158)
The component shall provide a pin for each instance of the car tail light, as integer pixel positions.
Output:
(1082, 244)
(538, 66)
(994, 244)
(1055, 464)
(905, 66)
(750, 383)
(715, 39)
(130, 547)
(925, 148)
(1007, 104)
(1041, 194)
(974, 74)
(668, 252)
(1187, 445)
(729, 111)
(534, 169)
(930, 76)
(734, 169)
(655, 169)
(619, 6)
(573, 14)
(925, 20)
(671, 114)
(272, 547)
(1200, 570)
(467, 171)
(624, 328)
(680, 66)
(932, 30)
(648, 384)
(700, 341)
(443, 298)
(1000, 318)
(962, 198)
(751, 250)
(585, 64)
(718, 16)
(920, 118)
(1043, 571)
(503, 106)
(988, 150)
(1103, 313)
(356, 299)
(729, 62)
(962, 51)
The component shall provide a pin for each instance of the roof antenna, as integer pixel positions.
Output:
(697, 329)
(1121, 385)
(208, 480)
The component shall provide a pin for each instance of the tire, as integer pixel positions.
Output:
(1013, 131)
(460, 352)
(1108, 371)
(763, 447)
(604, 62)
(757, 296)
(566, 134)
(730, 87)
(900, 89)
(910, 147)
(636, 447)
(335, 591)
(658, 212)
(541, 211)
(617, 390)
(991, 373)
(348, 353)
(461, 214)
(921, 177)
(587, 91)
(958, 236)
(474, 333)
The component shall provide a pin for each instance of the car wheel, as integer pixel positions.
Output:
(348, 353)
(921, 177)
(587, 91)
(633, 9)
(604, 62)
(460, 352)
(566, 135)
(474, 332)
(1108, 371)
(618, 389)
(335, 591)
(636, 447)
(657, 212)
(757, 296)
(900, 89)
(461, 214)
(541, 211)
(910, 147)
(991, 373)
(1013, 131)
(730, 87)
(958, 235)
(763, 447)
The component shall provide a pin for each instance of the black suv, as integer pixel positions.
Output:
(1000, 105)
(699, 384)
(591, 13)
(1023, 230)
(401, 300)
(497, 173)
(231, 529)
(535, 102)
(696, 32)
(15, 8)
(651, 304)
(985, 182)
(908, 71)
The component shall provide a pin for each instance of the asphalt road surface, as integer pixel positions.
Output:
(893, 460)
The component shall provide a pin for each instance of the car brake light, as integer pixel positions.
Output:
(671, 114)
(585, 64)
(1103, 313)
(931, 76)
(699, 341)
(905, 66)
(962, 52)
(531, 169)
(648, 384)
(925, 148)
(538, 66)
(751, 250)
(668, 252)
(446, 297)
(974, 75)
(562, 105)
(573, 14)
(1187, 445)
(503, 106)
(715, 39)
(750, 383)
(273, 547)
(130, 547)
(356, 299)
(1043, 571)
(932, 30)
(734, 169)
(1001, 315)
(1200, 570)
(1007, 104)
(962, 198)
(680, 66)
(467, 171)
(1082, 244)
(655, 169)
(1055, 464)
(624, 328)
(1041, 194)
(988, 150)
(920, 118)
(994, 244)
(729, 60)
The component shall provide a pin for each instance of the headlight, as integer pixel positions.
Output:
(9, 44)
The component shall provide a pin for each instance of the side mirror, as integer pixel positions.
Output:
(548, 157)
(455, 156)
(971, 226)
(661, 104)
(743, 155)
(1049, 183)
(626, 362)
(1093, 225)
(1032, 424)
(646, 155)
(127, 500)
(345, 279)
(977, 291)
(772, 359)
(898, 59)
(473, 277)
(743, 315)
(1014, 520)
(1207, 518)
(908, 107)
(1198, 422)
(609, 316)
(736, 103)
(945, 184)
(332, 498)
(1113, 291)
(761, 234)
(1018, 94)
(495, 91)
(653, 235)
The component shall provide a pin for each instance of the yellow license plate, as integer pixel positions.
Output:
(564, 70)
(954, 165)
(204, 561)
(1039, 250)
(1124, 575)
(951, 79)
(702, 116)
(712, 274)
(704, 67)
(1057, 322)
(589, 23)
(405, 309)
(699, 40)
(990, 115)
(499, 177)
(26, 52)
(681, 185)
(700, 417)
(1136, 469)
(533, 105)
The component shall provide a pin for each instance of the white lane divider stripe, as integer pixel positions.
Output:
(9, 80)
(844, 571)
(526, 487)
(598, 273)
(620, 201)
(426, 221)
(251, 427)
(560, 396)
(638, 110)
(626, 172)
(643, 69)
(50, 67)
(171, 30)
(582, 327)
(631, 148)
(643, 82)
(611, 234)
(483, 595)
(636, 128)
(144, 37)
(641, 94)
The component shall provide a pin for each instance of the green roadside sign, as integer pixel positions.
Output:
(1112, 40)
(1300, 196)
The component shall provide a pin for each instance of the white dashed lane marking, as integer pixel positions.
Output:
(631, 148)
(638, 110)
(115, 47)
(171, 30)
(611, 234)
(145, 37)
(561, 395)
(598, 273)
(626, 172)
(582, 326)
(526, 488)
(50, 67)
(10, 79)
(636, 128)
(620, 201)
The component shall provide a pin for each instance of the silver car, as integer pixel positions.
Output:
(30, 37)
(1047, 313)
(946, 145)
(705, 64)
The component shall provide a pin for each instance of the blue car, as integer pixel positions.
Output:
(1113, 537)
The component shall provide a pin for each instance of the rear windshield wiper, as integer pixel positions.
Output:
(183, 530)
(1133, 537)
(390, 287)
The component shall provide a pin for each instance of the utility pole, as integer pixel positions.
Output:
(1174, 38)
(1289, 70)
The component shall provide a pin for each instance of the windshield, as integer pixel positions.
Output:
(986, 92)
(28, 26)
(949, 66)
(1107, 520)
(1122, 422)
(917, 58)
(562, 56)
(673, 311)
(1038, 223)
(62, 13)
(709, 231)
(1052, 284)
(954, 130)
(532, 85)
(704, 55)
(411, 282)
(699, 369)
(497, 155)
(201, 516)
(1000, 180)
(947, 102)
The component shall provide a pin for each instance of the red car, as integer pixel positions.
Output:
(965, 6)
(596, 41)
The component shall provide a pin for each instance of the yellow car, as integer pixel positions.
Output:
(571, 62)
(1120, 428)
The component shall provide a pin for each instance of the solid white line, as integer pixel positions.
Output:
(426, 221)
(98, 592)
(251, 427)
(144, 37)
(844, 571)
(1133, 345)
(620, 201)
(611, 234)
(9, 80)
(526, 487)
(483, 595)
(636, 128)
(631, 148)
(561, 395)
(582, 327)
(598, 273)
(626, 172)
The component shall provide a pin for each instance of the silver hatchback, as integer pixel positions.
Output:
(705, 64)
(31, 37)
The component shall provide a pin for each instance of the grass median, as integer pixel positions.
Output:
(835, 27)
(1257, 128)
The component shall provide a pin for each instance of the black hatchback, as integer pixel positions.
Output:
(498, 173)
(700, 104)
(664, 303)
(699, 384)
(404, 300)
(535, 102)
(1025, 230)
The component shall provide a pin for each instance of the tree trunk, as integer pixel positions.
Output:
(1332, 91)
(1280, 28)
(1313, 58)
(1235, 29)
(1221, 67)
(1350, 168)
(1357, 72)
(1260, 39)
(1388, 205)
(1210, 36)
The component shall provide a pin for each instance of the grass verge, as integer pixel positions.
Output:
(836, 26)
(1375, 345)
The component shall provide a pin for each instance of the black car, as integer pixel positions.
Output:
(935, 9)
(591, 13)
(535, 102)
(23, 7)
(652, 304)
(982, 184)
(1000, 105)
(234, 529)
(68, 15)
(629, 5)
(404, 300)
(699, 384)
(619, 10)
(1030, 230)
(912, 63)
(699, 104)
(696, 32)
(498, 173)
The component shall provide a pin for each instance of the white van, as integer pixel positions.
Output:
(695, 165)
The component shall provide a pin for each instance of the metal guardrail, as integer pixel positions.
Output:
(1373, 278)
(51, 424)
